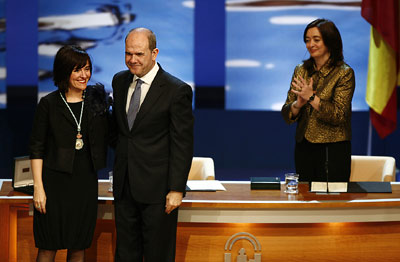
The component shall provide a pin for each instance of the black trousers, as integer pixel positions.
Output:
(144, 231)
(311, 160)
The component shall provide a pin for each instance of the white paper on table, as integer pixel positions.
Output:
(205, 185)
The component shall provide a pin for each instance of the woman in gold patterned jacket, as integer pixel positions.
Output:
(319, 100)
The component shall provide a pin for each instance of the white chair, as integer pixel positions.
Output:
(202, 169)
(373, 168)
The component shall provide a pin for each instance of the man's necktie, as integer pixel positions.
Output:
(134, 104)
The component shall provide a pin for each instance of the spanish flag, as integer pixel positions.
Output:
(383, 64)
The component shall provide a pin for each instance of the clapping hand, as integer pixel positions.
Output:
(302, 89)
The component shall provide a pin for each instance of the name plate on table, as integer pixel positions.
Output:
(273, 183)
(369, 187)
(23, 178)
(352, 187)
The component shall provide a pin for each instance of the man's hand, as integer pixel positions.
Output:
(173, 200)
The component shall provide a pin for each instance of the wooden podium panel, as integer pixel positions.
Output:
(205, 242)
(302, 227)
(5, 232)
(367, 242)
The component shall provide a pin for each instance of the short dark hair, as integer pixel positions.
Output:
(332, 40)
(150, 36)
(67, 58)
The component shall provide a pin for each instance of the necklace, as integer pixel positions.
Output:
(79, 141)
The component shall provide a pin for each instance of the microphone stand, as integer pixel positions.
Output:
(327, 174)
(326, 169)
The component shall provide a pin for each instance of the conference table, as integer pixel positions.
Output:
(240, 224)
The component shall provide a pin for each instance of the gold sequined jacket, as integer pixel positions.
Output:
(334, 85)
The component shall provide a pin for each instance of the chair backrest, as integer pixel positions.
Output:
(202, 169)
(373, 168)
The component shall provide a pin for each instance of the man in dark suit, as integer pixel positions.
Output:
(153, 123)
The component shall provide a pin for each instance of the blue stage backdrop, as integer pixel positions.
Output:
(265, 42)
(100, 27)
(2, 54)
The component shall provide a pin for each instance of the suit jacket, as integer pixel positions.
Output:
(54, 131)
(157, 152)
(334, 85)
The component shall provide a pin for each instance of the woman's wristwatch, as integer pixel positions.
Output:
(311, 98)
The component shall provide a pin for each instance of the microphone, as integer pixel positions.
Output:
(326, 169)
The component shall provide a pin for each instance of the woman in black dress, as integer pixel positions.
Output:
(68, 145)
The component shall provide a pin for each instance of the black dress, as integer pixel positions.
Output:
(71, 207)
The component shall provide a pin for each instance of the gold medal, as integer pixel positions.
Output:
(79, 141)
(78, 144)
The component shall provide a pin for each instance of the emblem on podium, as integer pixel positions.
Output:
(242, 256)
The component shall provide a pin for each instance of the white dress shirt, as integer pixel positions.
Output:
(147, 80)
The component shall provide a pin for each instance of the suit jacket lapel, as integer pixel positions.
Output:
(123, 95)
(65, 111)
(151, 97)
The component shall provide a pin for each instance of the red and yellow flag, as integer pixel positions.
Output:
(383, 64)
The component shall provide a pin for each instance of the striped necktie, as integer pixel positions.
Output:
(134, 104)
